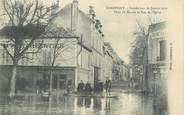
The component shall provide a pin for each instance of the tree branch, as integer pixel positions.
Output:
(10, 15)
(34, 13)
(26, 57)
(26, 48)
(8, 52)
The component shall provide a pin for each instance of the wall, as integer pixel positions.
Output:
(32, 74)
(154, 48)
(44, 56)
(74, 19)
(107, 67)
(157, 68)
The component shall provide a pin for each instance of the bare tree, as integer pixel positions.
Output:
(27, 20)
(139, 55)
(61, 40)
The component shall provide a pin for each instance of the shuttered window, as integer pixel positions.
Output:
(162, 50)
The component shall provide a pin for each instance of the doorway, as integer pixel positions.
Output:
(96, 76)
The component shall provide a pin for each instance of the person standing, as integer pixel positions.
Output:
(80, 87)
(88, 88)
(108, 86)
(69, 86)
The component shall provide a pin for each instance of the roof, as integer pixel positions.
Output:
(107, 44)
(68, 7)
(58, 32)
(111, 50)
(114, 54)
(31, 30)
(157, 26)
(32, 67)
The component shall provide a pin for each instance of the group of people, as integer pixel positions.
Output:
(84, 88)
(87, 89)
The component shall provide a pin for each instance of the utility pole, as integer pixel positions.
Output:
(146, 65)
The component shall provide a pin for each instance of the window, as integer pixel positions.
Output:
(162, 50)
(26, 59)
(89, 60)
(6, 59)
(46, 57)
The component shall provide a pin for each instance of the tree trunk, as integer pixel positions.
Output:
(50, 90)
(146, 78)
(50, 105)
(146, 67)
(13, 82)
(50, 82)
(51, 79)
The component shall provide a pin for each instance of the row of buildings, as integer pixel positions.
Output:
(83, 54)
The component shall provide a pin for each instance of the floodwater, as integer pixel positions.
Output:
(124, 104)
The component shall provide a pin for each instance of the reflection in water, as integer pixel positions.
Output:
(97, 104)
(80, 101)
(158, 107)
(127, 104)
(87, 102)
(107, 104)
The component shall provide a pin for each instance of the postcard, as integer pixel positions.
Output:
(97, 57)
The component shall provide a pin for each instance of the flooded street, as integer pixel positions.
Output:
(123, 104)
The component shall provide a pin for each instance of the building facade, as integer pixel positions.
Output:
(89, 30)
(36, 63)
(157, 56)
(81, 57)
(107, 64)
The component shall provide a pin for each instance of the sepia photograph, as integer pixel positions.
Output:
(78, 57)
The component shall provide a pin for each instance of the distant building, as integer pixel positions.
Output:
(124, 71)
(120, 71)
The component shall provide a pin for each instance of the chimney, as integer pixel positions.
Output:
(57, 4)
(91, 12)
(74, 17)
(55, 8)
(75, 3)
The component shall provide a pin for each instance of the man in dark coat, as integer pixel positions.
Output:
(88, 88)
(80, 87)
(108, 86)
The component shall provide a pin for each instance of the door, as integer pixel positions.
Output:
(62, 81)
(96, 75)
